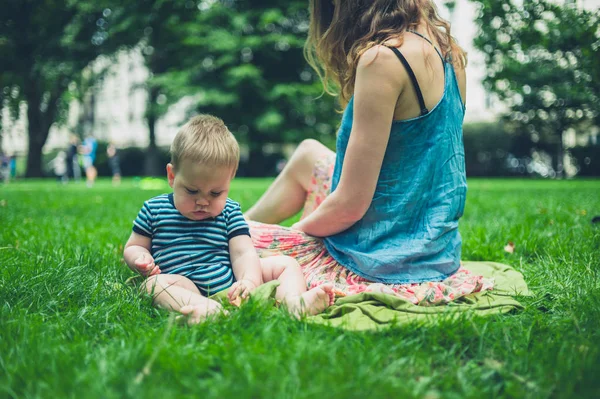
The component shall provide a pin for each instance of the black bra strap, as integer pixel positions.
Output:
(430, 42)
(413, 78)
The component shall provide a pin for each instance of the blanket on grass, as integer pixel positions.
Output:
(376, 311)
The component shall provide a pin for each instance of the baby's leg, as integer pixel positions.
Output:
(292, 286)
(180, 294)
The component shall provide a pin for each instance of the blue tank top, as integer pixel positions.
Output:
(410, 234)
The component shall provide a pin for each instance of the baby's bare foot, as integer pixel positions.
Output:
(312, 302)
(200, 312)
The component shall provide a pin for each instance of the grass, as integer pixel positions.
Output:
(70, 326)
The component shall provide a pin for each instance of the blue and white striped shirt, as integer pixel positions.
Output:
(198, 250)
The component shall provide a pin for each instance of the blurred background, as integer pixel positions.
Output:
(130, 73)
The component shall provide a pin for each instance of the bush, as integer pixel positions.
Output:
(131, 160)
(487, 146)
(587, 160)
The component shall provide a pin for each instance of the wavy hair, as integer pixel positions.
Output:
(342, 30)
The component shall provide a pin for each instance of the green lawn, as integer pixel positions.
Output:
(70, 326)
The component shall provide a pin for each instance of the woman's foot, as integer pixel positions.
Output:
(200, 312)
(311, 302)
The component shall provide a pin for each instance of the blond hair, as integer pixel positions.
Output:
(341, 31)
(205, 139)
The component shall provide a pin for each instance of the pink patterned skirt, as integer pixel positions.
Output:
(319, 267)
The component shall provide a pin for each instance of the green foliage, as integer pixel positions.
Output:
(45, 46)
(238, 60)
(587, 159)
(73, 327)
(244, 63)
(486, 148)
(492, 149)
(241, 62)
(161, 32)
(543, 61)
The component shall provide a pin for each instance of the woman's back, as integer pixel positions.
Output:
(424, 60)
(409, 232)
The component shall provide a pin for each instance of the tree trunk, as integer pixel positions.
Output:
(152, 165)
(37, 132)
(560, 155)
(1, 121)
(34, 156)
(39, 120)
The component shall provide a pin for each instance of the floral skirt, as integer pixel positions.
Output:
(319, 267)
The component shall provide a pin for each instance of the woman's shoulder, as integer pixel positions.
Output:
(410, 46)
(380, 61)
(378, 56)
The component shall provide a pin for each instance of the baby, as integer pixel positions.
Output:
(195, 242)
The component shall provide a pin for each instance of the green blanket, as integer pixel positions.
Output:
(375, 311)
(370, 311)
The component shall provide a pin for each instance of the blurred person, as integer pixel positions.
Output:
(4, 167)
(73, 167)
(113, 162)
(13, 166)
(88, 150)
(194, 242)
(59, 167)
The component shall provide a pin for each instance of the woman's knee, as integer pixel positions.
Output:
(311, 148)
(303, 161)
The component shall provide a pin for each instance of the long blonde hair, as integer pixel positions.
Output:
(342, 30)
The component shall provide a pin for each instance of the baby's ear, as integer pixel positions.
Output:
(170, 174)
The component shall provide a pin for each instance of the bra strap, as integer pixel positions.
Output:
(413, 78)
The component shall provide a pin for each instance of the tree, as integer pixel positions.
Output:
(2, 100)
(162, 33)
(248, 68)
(543, 62)
(44, 46)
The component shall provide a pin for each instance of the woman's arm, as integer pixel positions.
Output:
(378, 85)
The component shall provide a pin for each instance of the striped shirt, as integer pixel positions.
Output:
(196, 249)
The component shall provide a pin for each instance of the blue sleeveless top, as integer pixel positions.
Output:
(410, 234)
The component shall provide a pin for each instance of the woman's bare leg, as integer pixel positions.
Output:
(286, 196)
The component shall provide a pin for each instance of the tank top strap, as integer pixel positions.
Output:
(430, 42)
(413, 78)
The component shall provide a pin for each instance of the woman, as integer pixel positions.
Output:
(397, 180)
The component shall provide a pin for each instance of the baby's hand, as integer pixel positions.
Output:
(145, 265)
(240, 290)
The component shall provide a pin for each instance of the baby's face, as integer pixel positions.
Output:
(199, 192)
